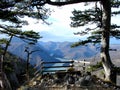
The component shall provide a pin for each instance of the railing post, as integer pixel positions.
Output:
(84, 66)
(41, 67)
(72, 63)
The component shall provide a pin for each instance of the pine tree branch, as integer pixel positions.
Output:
(67, 2)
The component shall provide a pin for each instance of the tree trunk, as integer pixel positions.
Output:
(4, 82)
(7, 45)
(105, 57)
(27, 66)
(1, 73)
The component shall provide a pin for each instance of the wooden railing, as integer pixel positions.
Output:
(45, 66)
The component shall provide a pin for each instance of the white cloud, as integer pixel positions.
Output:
(60, 20)
(60, 27)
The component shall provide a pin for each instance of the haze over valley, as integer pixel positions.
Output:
(56, 51)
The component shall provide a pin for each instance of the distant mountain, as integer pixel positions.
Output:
(51, 51)
(17, 47)
(63, 50)
(57, 51)
(88, 52)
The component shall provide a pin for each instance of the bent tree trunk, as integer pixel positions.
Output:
(110, 75)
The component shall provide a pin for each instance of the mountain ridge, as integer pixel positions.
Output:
(57, 51)
(64, 50)
(17, 47)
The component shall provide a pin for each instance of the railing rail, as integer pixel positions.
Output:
(70, 61)
(45, 68)
(53, 66)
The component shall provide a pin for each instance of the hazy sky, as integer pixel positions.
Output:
(60, 29)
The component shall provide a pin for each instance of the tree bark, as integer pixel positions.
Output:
(61, 2)
(105, 57)
(27, 66)
(1, 73)
(7, 45)
(67, 2)
(4, 82)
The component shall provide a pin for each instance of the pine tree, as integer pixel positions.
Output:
(105, 24)
(7, 5)
(93, 16)
(11, 14)
(100, 16)
(28, 36)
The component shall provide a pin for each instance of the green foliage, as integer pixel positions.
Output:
(8, 67)
(12, 13)
(8, 63)
(13, 63)
(95, 67)
(117, 69)
(32, 71)
(3, 41)
(93, 16)
(13, 31)
(71, 69)
(90, 16)
(13, 10)
(30, 35)
(80, 43)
